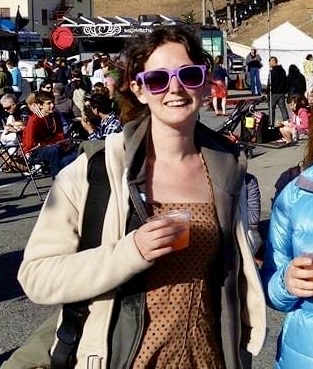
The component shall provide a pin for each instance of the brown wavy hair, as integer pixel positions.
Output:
(138, 52)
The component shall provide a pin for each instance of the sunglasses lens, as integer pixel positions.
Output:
(156, 81)
(191, 76)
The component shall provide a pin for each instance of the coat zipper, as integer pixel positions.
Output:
(141, 211)
(139, 334)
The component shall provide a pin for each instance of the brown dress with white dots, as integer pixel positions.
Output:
(179, 331)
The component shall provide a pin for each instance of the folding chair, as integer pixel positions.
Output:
(8, 157)
(10, 160)
(5, 153)
(31, 173)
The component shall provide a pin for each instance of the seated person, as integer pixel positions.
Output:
(46, 85)
(12, 128)
(11, 110)
(9, 136)
(43, 138)
(299, 122)
(9, 148)
(110, 84)
(77, 89)
(101, 106)
(13, 118)
(99, 88)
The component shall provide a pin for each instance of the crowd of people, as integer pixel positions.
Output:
(149, 305)
(292, 90)
(65, 105)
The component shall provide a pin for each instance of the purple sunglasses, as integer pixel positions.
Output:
(158, 80)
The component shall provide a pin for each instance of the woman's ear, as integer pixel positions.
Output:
(137, 90)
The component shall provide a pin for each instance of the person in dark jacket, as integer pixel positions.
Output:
(277, 88)
(62, 73)
(254, 64)
(296, 83)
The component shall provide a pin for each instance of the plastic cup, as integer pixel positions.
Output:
(180, 216)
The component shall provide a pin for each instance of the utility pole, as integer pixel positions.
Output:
(229, 21)
(212, 13)
(203, 12)
(235, 15)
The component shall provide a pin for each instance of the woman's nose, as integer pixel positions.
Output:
(175, 85)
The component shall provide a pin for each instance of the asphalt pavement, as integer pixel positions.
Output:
(19, 317)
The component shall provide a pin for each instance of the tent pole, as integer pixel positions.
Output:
(270, 74)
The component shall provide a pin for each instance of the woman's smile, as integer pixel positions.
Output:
(178, 103)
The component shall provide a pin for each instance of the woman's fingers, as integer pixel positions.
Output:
(153, 238)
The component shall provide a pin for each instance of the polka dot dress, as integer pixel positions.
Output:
(179, 329)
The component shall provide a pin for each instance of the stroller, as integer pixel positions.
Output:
(254, 125)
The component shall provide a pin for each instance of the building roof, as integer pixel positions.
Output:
(116, 26)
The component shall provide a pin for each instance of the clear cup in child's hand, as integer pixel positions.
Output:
(179, 216)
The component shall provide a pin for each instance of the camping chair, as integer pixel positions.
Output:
(8, 157)
(17, 162)
(11, 157)
(31, 172)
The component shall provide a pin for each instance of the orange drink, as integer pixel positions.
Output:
(182, 240)
(180, 216)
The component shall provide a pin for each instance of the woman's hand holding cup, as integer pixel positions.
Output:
(163, 234)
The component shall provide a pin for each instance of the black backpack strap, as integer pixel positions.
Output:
(75, 314)
(96, 203)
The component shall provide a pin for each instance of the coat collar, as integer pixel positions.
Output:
(218, 152)
(225, 162)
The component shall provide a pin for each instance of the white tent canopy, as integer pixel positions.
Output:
(239, 49)
(287, 43)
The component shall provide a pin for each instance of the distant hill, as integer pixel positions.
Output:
(297, 12)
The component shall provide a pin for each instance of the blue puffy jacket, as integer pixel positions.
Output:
(290, 235)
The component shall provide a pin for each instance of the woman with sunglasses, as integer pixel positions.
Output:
(46, 85)
(152, 306)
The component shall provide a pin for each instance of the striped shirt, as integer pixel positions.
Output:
(109, 125)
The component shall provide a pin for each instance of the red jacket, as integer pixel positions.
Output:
(42, 131)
